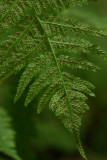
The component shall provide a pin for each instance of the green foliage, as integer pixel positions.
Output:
(7, 136)
(34, 36)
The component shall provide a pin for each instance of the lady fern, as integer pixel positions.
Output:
(34, 36)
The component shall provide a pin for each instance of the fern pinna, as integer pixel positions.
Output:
(35, 36)
(7, 136)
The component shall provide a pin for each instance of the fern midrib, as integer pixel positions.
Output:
(63, 25)
(49, 42)
(67, 43)
(57, 24)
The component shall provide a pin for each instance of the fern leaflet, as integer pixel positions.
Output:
(7, 134)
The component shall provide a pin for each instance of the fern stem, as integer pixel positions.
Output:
(62, 25)
(58, 24)
(66, 43)
(50, 44)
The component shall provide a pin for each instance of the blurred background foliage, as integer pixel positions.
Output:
(43, 137)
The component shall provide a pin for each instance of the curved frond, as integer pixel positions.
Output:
(7, 136)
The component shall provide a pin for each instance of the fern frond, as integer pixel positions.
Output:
(19, 8)
(55, 6)
(50, 91)
(68, 77)
(65, 25)
(19, 59)
(7, 136)
(76, 63)
(32, 70)
(41, 82)
(59, 105)
(36, 37)
(77, 46)
(11, 13)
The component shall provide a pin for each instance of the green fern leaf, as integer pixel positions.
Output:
(7, 136)
(65, 25)
(41, 82)
(32, 70)
(51, 90)
(34, 36)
